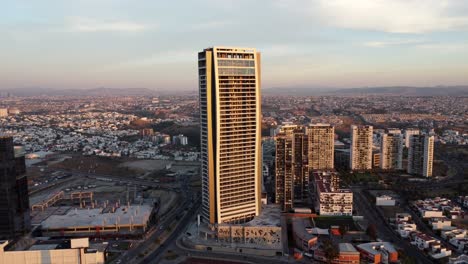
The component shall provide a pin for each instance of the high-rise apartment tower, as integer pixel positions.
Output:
(391, 151)
(421, 155)
(321, 146)
(229, 90)
(291, 166)
(361, 148)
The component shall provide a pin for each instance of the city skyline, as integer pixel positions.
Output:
(305, 43)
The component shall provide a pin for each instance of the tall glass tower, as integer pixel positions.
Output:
(230, 110)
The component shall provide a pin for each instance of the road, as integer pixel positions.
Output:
(384, 231)
(187, 204)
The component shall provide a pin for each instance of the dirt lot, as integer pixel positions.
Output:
(97, 165)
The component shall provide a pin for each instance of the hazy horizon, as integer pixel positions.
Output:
(319, 43)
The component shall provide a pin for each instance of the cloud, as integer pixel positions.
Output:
(391, 43)
(85, 24)
(396, 16)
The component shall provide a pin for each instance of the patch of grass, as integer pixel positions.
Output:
(327, 221)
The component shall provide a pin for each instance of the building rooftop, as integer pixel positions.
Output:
(134, 214)
(328, 182)
(375, 247)
(347, 248)
(302, 227)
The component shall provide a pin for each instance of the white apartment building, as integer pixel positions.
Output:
(330, 199)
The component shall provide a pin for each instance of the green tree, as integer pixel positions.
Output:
(372, 231)
(330, 250)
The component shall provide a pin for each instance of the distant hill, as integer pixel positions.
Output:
(393, 90)
(87, 92)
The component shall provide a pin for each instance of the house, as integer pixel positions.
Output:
(455, 233)
(437, 251)
(440, 223)
(423, 241)
(460, 243)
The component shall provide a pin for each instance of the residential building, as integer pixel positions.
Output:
(321, 146)
(180, 140)
(291, 166)
(229, 94)
(3, 112)
(441, 223)
(422, 240)
(421, 155)
(391, 151)
(408, 133)
(330, 199)
(361, 148)
(14, 198)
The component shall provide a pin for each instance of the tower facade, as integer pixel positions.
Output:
(321, 146)
(421, 155)
(14, 198)
(361, 148)
(408, 133)
(230, 110)
(391, 151)
(291, 166)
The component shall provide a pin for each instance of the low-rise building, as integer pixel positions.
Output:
(347, 254)
(378, 252)
(330, 199)
(455, 233)
(423, 241)
(385, 200)
(303, 235)
(460, 243)
(438, 251)
(78, 252)
(440, 223)
(122, 220)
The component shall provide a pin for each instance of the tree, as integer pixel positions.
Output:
(330, 250)
(372, 231)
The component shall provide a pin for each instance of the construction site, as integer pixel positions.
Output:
(76, 204)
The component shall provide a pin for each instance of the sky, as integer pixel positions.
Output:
(304, 43)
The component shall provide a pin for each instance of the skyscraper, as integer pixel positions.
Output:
(14, 199)
(321, 146)
(361, 148)
(291, 166)
(421, 155)
(229, 90)
(391, 151)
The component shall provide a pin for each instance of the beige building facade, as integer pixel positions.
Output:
(230, 110)
(361, 148)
